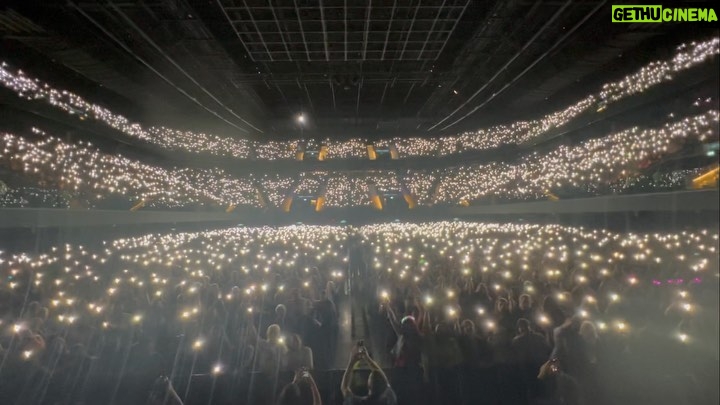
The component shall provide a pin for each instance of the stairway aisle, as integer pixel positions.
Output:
(357, 316)
(351, 329)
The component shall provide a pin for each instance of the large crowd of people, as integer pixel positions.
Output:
(32, 197)
(460, 312)
(559, 314)
(311, 183)
(346, 190)
(592, 165)
(81, 169)
(598, 166)
(465, 313)
(421, 184)
(233, 301)
(686, 56)
(524, 312)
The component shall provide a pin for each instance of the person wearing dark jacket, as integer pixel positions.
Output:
(530, 350)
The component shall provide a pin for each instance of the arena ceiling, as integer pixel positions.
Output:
(364, 68)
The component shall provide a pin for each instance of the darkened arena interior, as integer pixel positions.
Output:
(345, 202)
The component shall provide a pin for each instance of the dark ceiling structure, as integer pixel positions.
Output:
(355, 68)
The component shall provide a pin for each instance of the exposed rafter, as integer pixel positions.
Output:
(388, 65)
(324, 30)
(280, 30)
(259, 33)
(367, 27)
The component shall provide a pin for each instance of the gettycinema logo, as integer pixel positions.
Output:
(656, 14)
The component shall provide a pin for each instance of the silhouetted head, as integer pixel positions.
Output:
(294, 342)
(408, 326)
(482, 289)
(525, 302)
(502, 305)
(523, 326)
(273, 333)
(468, 327)
(442, 330)
(588, 331)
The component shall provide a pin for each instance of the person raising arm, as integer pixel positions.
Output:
(292, 394)
(379, 391)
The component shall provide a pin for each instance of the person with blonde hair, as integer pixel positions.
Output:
(270, 351)
(297, 356)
